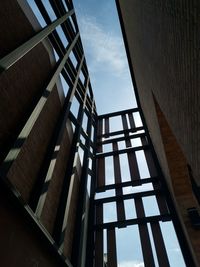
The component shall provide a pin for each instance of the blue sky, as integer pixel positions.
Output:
(105, 55)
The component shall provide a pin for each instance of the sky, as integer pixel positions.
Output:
(105, 55)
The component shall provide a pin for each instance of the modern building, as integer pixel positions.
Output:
(56, 149)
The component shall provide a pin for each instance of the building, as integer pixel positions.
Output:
(40, 136)
(54, 146)
(162, 40)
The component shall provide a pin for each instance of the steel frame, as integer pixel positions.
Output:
(98, 257)
(82, 91)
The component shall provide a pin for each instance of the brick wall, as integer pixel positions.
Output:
(21, 245)
(25, 169)
(163, 39)
(181, 184)
(21, 88)
(22, 84)
(55, 186)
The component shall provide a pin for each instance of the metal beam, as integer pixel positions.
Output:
(118, 113)
(120, 224)
(12, 155)
(10, 59)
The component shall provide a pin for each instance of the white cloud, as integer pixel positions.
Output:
(131, 264)
(105, 48)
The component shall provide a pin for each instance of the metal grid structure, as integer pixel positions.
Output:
(71, 72)
(80, 118)
(157, 189)
(91, 140)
